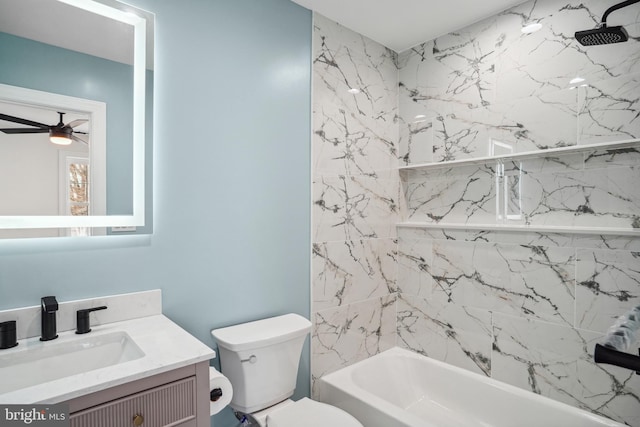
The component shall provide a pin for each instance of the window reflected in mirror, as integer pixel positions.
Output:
(77, 202)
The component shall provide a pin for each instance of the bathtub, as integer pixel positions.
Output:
(402, 388)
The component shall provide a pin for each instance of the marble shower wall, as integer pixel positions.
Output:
(356, 196)
(489, 89)
(524, 308)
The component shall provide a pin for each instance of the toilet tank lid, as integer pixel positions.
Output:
(261, 333)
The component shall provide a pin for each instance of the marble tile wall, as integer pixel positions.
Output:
(489, 85)
(522, 307)
(356, 197)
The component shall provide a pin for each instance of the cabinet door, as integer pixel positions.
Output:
(172, 404)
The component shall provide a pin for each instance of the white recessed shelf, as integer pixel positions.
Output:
(526, 155)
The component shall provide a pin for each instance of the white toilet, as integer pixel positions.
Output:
(261, 360)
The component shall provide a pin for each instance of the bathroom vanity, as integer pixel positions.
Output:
(134, 368)
(175, 398)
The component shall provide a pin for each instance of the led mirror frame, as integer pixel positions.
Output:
(139, 69)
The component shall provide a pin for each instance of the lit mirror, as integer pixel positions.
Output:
(76, 96)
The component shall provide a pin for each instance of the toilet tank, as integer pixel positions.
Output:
(261, 359)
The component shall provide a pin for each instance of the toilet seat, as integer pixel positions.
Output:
(310, 413)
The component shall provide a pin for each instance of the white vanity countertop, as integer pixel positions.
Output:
(166, 347)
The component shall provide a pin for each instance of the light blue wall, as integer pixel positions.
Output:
(231, 179)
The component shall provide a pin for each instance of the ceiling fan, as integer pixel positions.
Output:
(60, 133)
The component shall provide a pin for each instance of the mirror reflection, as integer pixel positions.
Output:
(51, 166)
(93, 53)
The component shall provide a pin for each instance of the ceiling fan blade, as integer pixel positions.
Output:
(23, 121)
(23, 130)
(75, 138)
(77, 123)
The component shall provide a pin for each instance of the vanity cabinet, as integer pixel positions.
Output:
(176, 398)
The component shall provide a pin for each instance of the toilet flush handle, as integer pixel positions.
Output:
(251, 359)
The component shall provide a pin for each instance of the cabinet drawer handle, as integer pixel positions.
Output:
(138, 420)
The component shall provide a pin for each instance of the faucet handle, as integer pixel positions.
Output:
(83, 324)
(49, 304)
(8, 335)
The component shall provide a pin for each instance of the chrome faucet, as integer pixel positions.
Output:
(49, 307)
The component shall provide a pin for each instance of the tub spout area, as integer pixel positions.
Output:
(619, 338)
(401, 388)
(611, 356)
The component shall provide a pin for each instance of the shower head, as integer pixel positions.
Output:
(602, 35)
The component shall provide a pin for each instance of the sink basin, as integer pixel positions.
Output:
(111, 355)
(39, 362)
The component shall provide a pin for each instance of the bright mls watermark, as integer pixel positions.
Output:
(34, 415)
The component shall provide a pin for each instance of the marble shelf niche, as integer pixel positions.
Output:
(580, 189)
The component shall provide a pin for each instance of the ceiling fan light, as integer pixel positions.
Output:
(60, 140)
(60, 137)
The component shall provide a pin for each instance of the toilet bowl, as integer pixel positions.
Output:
(261, 360)
(304, 412)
